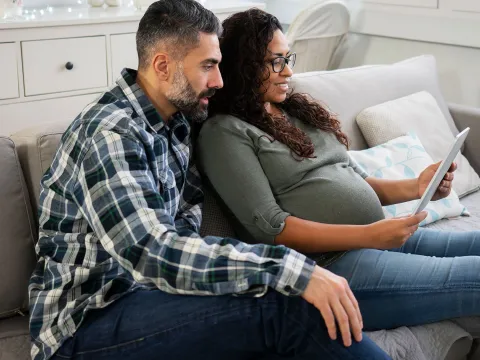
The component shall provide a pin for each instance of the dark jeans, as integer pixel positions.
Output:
(154, 325)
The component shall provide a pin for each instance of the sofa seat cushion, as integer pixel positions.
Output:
(14, 339)
(17, 239)
(15, 348)
(464, 223)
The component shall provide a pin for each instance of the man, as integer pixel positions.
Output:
(122, 271)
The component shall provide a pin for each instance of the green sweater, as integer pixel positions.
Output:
(262, 183)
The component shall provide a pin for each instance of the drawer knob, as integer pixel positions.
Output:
(69, 66)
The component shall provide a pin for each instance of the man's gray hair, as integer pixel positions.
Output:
(176, 23)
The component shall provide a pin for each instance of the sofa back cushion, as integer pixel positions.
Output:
(17, 233)
(36, 147)
(346, 92)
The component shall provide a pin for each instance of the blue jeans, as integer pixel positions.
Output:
(434, 276)
(154, 325)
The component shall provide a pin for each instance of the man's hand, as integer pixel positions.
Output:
(393, 233)
(445, 186)
(332, 296)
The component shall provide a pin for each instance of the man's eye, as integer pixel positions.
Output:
(208, 67)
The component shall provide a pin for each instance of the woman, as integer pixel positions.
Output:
(279, 161)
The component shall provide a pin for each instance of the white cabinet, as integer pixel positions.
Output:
(414, 3)
(53, 63)
(124, 53)
(52, 66)
(8, 71)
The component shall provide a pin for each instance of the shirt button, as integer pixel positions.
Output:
(255, 218)
(288, 288)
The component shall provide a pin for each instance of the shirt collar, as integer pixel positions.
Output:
(143, 106)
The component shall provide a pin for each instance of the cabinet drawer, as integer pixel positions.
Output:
(8, 71)
(124, 53)
(52, 66)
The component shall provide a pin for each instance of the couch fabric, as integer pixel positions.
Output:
(345, 91)
(17, 232)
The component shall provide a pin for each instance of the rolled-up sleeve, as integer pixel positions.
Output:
(227, 156)
(357, 168)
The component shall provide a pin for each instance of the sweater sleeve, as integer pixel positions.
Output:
(228, 158)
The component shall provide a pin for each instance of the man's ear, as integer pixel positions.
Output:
(162, 65)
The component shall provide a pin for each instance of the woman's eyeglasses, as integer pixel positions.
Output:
(278, 64)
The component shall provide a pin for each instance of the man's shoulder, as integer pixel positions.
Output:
(111, 112)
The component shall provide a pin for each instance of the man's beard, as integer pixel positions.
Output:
(183, 97)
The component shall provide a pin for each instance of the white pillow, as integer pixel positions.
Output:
(405, 158)
(417, 113)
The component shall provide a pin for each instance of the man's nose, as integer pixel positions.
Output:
(217, 80)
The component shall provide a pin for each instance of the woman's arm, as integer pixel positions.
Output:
(311, 237)
(394, 191)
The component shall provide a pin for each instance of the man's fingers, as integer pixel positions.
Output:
(355, 305)
(342, 321)
(329, 319)
(355, 322)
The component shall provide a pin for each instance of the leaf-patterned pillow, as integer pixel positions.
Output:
(405, 158)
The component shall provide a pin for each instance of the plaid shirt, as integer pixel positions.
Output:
(120, 209)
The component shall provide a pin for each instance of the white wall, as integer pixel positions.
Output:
(458, 67)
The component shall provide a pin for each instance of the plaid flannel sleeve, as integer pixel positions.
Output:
(189, 215)
(118, 196)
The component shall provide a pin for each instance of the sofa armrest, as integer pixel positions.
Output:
(467, 116)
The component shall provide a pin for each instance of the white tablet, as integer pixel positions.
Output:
(441, 171)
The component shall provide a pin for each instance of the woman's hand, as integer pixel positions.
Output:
(393, 233)
(332, 296)
(445, 186)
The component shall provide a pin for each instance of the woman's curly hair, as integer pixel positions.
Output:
(244, 43)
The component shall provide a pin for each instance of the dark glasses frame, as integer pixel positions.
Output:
(287, 60)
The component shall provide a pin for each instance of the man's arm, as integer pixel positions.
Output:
(118, 196)
(189, 214)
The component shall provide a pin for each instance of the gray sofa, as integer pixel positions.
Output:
(26, 155)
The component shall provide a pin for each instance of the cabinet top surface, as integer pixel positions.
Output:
(68, 16)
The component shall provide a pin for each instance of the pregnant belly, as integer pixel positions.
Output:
(333, 200)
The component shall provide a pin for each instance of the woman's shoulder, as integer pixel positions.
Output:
(225, 123)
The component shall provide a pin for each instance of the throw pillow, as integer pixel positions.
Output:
(405, 158)
(421, 114)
